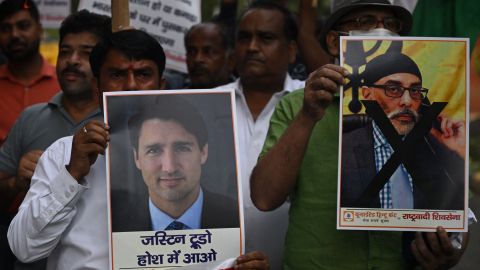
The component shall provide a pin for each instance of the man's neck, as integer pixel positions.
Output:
(258, 92)
(26, 70)
(79, 109)
(175, 209)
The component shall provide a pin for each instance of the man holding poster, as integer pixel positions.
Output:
(170, 144)
(300, 157)
(65, 210)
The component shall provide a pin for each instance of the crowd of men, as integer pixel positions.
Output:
(52, 164)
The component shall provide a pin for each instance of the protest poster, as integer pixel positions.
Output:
(172, 178)
(53, 12)
(403, 142)
(167, 21)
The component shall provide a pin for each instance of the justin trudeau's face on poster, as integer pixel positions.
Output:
(170, 161)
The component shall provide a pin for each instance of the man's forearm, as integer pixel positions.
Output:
(276, 173)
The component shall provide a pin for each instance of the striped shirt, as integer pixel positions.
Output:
(383, 151)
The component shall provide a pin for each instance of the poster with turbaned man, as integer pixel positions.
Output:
(403, 148)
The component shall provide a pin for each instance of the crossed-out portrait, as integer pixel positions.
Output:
(403, 131)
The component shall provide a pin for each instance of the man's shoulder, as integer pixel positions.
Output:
(219, 211)
(294, 84)
(211, 197)
(360, 132)
(292, 101)
(35, 111)
(233, 85)
(48, 69)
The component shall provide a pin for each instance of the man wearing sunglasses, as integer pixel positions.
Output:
(435, 175)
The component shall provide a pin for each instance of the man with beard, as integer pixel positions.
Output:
(209, 55)
(435, 179)
(26, 78)
(41, 124)
(64, 215)
(299, 162)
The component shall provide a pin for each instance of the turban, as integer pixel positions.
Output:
(388, 64)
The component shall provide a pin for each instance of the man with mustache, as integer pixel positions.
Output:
(394, 81)
(65, 210)
(265, 46)
(40, 125)
(209, 55)
(299, 162)
(169, 139)
(26, 78)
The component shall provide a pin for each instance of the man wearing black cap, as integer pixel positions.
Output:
(300, 155)
(435, 179)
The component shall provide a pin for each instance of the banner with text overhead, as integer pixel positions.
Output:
(172, 178)
(53, 12)
(167, 21)
(404, 134)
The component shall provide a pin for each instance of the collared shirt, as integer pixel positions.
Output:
(36, 128)
(264, 230)
(16, 96)
(191, 218)
(383, 150)
(60, 218)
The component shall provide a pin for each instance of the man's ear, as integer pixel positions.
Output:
(135, 157)
(162, 83)
(204, 154)
(332, 40)
(367, 93)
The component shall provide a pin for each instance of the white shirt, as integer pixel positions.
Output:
(60, 218)
(264, 231)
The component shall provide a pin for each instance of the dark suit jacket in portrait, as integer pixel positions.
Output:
(131, 213)
(440, 177)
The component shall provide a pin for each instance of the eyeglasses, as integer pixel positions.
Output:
(369, 22)
(396, 91)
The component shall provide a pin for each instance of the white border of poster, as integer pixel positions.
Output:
(146, 249)
(433, 57)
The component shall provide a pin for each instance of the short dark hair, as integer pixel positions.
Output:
(290, 28)
(225, 34)
(10, 7)
(134, 44)
(169, 107)
(86, 21)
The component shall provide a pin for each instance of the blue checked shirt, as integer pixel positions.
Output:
(383, 151)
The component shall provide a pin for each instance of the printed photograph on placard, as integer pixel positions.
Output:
(403, 148)
(172, 178)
